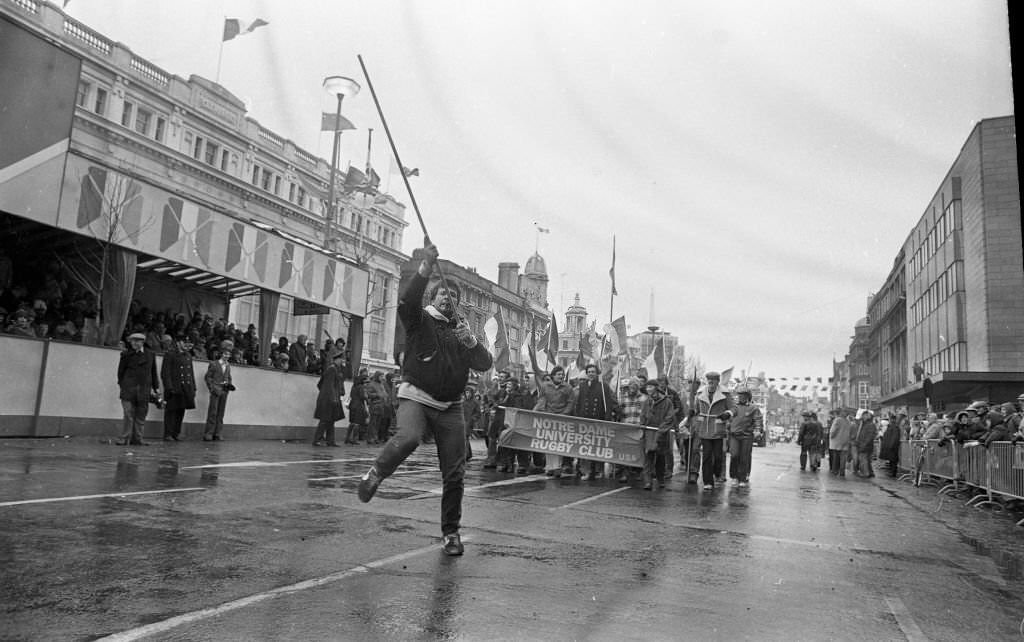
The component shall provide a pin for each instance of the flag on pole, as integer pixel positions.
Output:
(354, 179)
(334, 123)
(726, 376)
(611, 272)
(543, 230)
(497, 335)
(655, 362)
(616, 333)
(415, 171)
(551, 347)
(238, 27)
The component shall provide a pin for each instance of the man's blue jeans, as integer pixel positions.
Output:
(448, 428)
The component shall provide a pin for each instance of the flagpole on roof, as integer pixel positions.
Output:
(369, 142)
(220, 53)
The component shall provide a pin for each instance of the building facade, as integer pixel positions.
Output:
(948, 321)
(176, 174)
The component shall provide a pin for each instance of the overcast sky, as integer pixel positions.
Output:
(760, 163)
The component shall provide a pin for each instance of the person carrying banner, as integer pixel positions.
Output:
(708, 420)
(556, 396)
(658, 418)
(440, 351)
(594, 400)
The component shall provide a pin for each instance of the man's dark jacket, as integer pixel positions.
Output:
(435, 360)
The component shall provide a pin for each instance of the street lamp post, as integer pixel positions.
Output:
(338, 86)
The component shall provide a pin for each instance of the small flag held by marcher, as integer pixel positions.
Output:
(237, 27)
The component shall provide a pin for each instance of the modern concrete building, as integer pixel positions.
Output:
(947, 326)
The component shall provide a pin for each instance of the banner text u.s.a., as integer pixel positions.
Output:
(544, 432)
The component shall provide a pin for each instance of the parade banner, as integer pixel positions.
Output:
(544, 432)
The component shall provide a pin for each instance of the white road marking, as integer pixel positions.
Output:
(359, 476)
(503, 482)
(258, 463)
(905, 621)
(592, 498)
(78, 497)
(202, 614)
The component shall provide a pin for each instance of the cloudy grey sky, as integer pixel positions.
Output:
(760, 163)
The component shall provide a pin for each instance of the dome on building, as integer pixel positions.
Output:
(535, 266)
(862, 322)
(576, 308)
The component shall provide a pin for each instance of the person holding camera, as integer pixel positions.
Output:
(218, 382)
(138, 383)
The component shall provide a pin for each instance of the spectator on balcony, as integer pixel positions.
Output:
(314, 364)
(22, 324)
(282, 361)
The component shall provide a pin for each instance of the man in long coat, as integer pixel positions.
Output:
(594, 400)
(709, 421)
(329, 404)
(179, 382)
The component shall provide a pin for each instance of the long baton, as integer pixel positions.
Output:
(401, 169)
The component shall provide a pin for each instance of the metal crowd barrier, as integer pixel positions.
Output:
(997, 470)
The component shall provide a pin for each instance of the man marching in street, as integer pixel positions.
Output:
(594, 400)
(658, 413)
(554, 395)
(744, 424)
(709, 421)
(440, 351)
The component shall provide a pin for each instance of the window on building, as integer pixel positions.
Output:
(186, 141)
(100, 104)
(197, 148)
(126, 113)
(255, 174)
(225, 159)
(211, 153)
(158, 131)
(82, 97)
(142, 120)
(277, 184)
(265, 182)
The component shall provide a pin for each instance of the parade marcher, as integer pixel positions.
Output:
(809, 438)
(218, 382)
(677, 405)
(513, 459)
(330, 407)
(594, 400)
(136, 380)
(839, 434)
(864, 442)
(358, 411)
(744, 424)
(440, 351)
(179, 381)
(379, 405)
(657, 413)
(470, 414)
(556, 396)
(495, 416)
(708, 421)
(631, 404)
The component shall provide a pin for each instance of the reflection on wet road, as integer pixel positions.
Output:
(266, 540)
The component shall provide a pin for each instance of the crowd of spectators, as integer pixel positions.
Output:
(47, 306)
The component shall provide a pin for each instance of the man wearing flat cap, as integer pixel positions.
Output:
(218, 382)
(708, 421)
(136, 379)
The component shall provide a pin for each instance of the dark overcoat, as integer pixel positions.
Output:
(179, 381)
(329, 406)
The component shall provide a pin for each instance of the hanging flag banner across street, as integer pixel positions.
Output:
(544, 432)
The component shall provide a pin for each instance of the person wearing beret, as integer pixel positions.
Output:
(137, 381)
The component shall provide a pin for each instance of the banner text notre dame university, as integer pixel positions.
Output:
(573, 437)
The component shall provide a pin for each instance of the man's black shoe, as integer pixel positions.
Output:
(368, 485)
(121, 442)
(453, 544)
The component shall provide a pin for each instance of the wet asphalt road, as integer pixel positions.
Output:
(265, 540)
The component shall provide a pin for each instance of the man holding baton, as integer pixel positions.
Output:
(440, 350)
